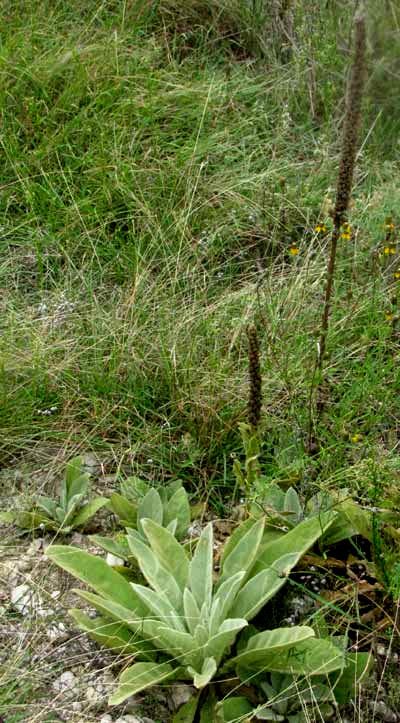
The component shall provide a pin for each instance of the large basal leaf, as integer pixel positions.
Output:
(344, 683)
(150, 507)
(244, 553)
(292, 504)
(224, 600)
(201, 568)
(191, 611)
(209, 668)
(232, 710)
(180, 646)
(155, 573)
(48, 505)
(234, 539)
(124, 509)
(75, 482)
(139, 677)
(117, 547)
(160, 606)
(116, 612)
(262, 587)
(95, 572)
(89, 510)
(112, 635)
(310, 657)
(271, 642)
(168, 550)
(224, 638)
(178, 508)
(134, 488)
(269, 714)
(297, 541)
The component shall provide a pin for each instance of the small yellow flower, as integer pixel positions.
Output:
(389, 226)
(388, 315)
(346, 232)
(356, 438)
(294, 249)
(389, 250)
(397, 274)
(320, 228)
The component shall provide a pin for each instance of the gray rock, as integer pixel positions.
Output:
(380, 709)
(180, 694)
(67, 682)
(106, 719)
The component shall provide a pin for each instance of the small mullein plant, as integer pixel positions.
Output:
(167, 506)
(71, 511)
(185, 622)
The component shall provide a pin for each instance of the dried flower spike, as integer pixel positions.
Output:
(255, 391)
(351, 126)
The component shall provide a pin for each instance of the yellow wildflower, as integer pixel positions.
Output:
(320, 228)
(389, 249)
(356, 438)
(388, 315)
(397, 274)
(294, 249)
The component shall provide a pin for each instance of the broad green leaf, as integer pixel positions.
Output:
(201, 634)
(223, 601)
(178, 508)
(124, 509)
(187, 711)
(297, 541)
(268, 714)
(352, 520)
(48, 505)
(191, 610)
(224, 638)
(114, 610)
(201, 568)
(310, 657)
(160, 606)
(89, 510)
(262, 587)
(208, 670)
(75, 482)
(344, 683)
(244, 553)
(156, 575)
(117, 547)
(139, 677)
(168, 550)
(292, 503)
(180, 645)
(271, 642)
(150, 507)
(171, 527)
(134, 488)
(232, 710)
(113, 635)
(68, 515)
(235, 538)
(95, 572)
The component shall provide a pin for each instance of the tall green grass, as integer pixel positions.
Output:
(157, 161)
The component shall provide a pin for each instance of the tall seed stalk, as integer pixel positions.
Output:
(343, 193)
